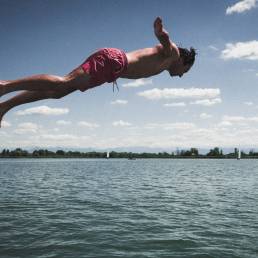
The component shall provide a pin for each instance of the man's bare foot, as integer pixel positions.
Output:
(2, 87)
(2, 113)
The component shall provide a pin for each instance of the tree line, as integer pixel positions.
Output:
(191, 153)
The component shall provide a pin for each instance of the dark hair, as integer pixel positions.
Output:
(188, 56)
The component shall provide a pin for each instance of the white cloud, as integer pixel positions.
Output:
(137, 83)
(240, 119)
(176, 104)
(170, 126)
(164, 135)
(121, 123)
(205, 116)
(234, 118)
(248, 70)
(28, 125)
(207, 102)
(63, 122)
(242, 6)
(213, 48)
(248, 103)
(59, 137)
(253, 119)
(179, 93)
(43, 110)
(88, 125)
(179, 126)
(224, 123)
(5, 124)
(2, 133)
(241, 50)
(119, 102)
(24, 128)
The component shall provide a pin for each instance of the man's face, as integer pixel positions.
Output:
(179, 69)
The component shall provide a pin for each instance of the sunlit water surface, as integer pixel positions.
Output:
(128, 208)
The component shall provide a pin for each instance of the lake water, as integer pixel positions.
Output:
(128, 208)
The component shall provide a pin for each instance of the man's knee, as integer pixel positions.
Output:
(77, 79)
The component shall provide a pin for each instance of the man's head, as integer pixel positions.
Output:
(185, 62)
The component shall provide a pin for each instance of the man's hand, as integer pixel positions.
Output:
(162, 35)
(158, 28)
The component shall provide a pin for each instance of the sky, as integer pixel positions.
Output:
(214, 104)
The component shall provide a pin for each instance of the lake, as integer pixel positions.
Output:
(128, 208)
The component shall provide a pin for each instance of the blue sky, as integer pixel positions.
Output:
(215, 104)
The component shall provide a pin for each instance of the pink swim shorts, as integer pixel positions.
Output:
(105, 65)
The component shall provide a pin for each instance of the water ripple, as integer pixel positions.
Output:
(119, 208)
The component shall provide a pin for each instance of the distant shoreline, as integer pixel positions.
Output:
(193, 153)
(63, 157)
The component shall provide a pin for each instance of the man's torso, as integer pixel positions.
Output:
(146, 62)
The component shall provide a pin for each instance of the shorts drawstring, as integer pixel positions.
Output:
(115, 83)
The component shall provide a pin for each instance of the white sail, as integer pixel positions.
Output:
(107, 154)
(239, 154)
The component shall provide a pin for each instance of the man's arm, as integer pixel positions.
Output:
(169, 47)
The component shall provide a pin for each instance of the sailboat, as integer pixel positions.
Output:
(107, 155)
(239, 154)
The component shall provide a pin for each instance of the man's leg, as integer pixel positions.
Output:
(31, 96)
(45, 82)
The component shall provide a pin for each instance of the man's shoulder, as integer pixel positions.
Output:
(168, 53)
(175, 50)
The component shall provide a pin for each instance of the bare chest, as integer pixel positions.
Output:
(145, 63)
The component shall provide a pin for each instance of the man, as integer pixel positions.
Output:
(106, 65)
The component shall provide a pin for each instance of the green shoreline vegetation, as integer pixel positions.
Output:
(192, 153)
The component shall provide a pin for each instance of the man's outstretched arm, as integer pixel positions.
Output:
(169, 47)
